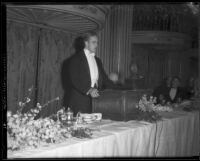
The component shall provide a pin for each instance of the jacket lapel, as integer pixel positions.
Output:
(99, 70)
(85, 64)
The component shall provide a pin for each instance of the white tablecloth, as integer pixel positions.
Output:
(176, 135)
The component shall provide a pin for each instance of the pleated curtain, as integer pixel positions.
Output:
(55, 47)
(22, 47)
(115, 40)
(34, 58)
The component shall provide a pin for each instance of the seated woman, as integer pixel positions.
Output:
(161, 92)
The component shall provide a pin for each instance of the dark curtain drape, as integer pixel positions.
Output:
(34, 58)
(21, 62)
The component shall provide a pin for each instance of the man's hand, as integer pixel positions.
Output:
(93, 92)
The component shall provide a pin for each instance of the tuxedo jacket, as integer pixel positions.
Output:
(79, 81)
(179, 94)
(165, 91)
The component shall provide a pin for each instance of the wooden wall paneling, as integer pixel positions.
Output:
(184, 67)
(155, 70)
(140, 57)
(21, 61)
(173, 63)
(199, 46)
(165, 65)
(54, 48)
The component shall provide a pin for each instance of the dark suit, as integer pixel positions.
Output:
(165, 91)
(179, 94)
(80, 81)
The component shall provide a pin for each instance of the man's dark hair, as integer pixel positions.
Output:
(87, 35)
(78, 44)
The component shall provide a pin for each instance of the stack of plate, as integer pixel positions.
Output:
(90, 117)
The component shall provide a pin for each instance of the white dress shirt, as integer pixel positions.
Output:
(172, 93)
(94, 74)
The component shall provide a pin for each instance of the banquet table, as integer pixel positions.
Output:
(177, 134)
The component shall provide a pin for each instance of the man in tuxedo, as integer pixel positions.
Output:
(86, 75)
(176, 93)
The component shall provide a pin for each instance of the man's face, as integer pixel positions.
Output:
(91, 44)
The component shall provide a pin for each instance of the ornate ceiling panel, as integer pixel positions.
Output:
(68, 18)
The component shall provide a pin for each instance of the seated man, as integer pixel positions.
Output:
(176, 93)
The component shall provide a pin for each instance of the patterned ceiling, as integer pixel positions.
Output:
(68, 18)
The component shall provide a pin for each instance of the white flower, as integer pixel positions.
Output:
(29, 114)
(36, 111)
(28, 99)
(30, 142)
(39, 106)
(9, 113)
(16, 116)
(20, 104)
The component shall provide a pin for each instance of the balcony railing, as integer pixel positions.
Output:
(164, 19)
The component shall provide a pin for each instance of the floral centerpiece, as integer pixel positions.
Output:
(24, 131)
(146, 104)
(147, 110)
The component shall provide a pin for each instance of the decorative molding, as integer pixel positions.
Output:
(164, 17)
(158, 38)
(75, 18)
(86, 8)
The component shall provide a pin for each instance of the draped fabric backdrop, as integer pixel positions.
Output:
(54, 48)
(34, 58)
(199, 46)
(115, 40)
(22, 44)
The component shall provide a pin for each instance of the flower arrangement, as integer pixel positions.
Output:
(24, 131)
(82, 133)
(149, 105)
(147, 109)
